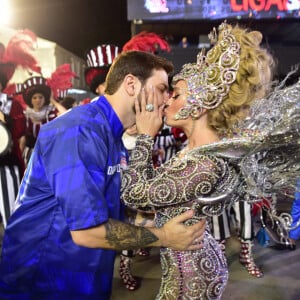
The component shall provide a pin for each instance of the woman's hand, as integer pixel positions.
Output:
(149, 116)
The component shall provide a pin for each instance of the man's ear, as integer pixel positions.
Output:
(132, 85)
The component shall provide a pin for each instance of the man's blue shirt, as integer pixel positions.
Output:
(71, 183)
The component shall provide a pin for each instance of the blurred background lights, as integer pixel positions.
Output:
(5, 12)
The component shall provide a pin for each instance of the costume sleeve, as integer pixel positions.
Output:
(141, 161)
(178, 181)
(52, 114)
(75, 163)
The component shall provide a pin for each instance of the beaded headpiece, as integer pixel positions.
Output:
(209, 79)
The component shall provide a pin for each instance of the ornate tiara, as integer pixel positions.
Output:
(209, 79)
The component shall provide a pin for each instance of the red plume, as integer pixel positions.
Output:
(147, 42)
(10, 89)
(19, 50)
(61, 79)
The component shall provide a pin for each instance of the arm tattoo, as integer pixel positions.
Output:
(126, 236)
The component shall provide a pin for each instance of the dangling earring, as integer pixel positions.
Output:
(189, 110)
(196, 112)
(183, 113)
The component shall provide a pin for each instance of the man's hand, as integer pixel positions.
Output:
(118, 235)
(181, 237)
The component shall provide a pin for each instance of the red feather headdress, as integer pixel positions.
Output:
(19, 52)
(147, 42)
(61, 80)
(59, 83)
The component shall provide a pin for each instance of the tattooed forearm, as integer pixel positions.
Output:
(126, 236)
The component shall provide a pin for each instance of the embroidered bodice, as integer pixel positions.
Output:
(203, 179)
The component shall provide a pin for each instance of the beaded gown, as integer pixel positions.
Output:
(262, 159)
(203, 179)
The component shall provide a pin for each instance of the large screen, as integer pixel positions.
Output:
(160, 10)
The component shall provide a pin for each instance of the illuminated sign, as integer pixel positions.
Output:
(259, 5)
(211, 9)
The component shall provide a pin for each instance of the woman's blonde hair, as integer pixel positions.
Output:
(253, 80)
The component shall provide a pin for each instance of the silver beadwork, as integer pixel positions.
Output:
(210, 78)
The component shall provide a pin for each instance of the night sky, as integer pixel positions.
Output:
(76, 25)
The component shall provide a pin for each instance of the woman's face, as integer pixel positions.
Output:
(175, 103)
(38, 101)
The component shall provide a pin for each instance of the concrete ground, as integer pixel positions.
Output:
(280, 282)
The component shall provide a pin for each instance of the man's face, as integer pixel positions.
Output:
(159, 83)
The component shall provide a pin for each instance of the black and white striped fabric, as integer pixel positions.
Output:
(10, 181)
(220, 227)
(240, 213)
(166, 141)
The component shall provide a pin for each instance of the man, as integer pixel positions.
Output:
(60, 241)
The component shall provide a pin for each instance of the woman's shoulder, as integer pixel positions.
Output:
(231, 148)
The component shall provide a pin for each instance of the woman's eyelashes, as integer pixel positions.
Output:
(175, 96)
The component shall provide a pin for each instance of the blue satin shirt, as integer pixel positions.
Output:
(72, 182)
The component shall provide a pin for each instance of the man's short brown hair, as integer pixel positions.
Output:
(138, 63)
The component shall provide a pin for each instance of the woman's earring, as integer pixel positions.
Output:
(196, 112)
(183, 113)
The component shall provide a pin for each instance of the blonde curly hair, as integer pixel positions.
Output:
(253, 81)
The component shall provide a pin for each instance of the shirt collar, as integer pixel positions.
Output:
(112, 118)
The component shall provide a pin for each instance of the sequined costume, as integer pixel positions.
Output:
(272, 166)
(34, 121)
(205, 180)
(261, 160)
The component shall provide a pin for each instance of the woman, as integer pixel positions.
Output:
(208, 98)
(36, 94)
